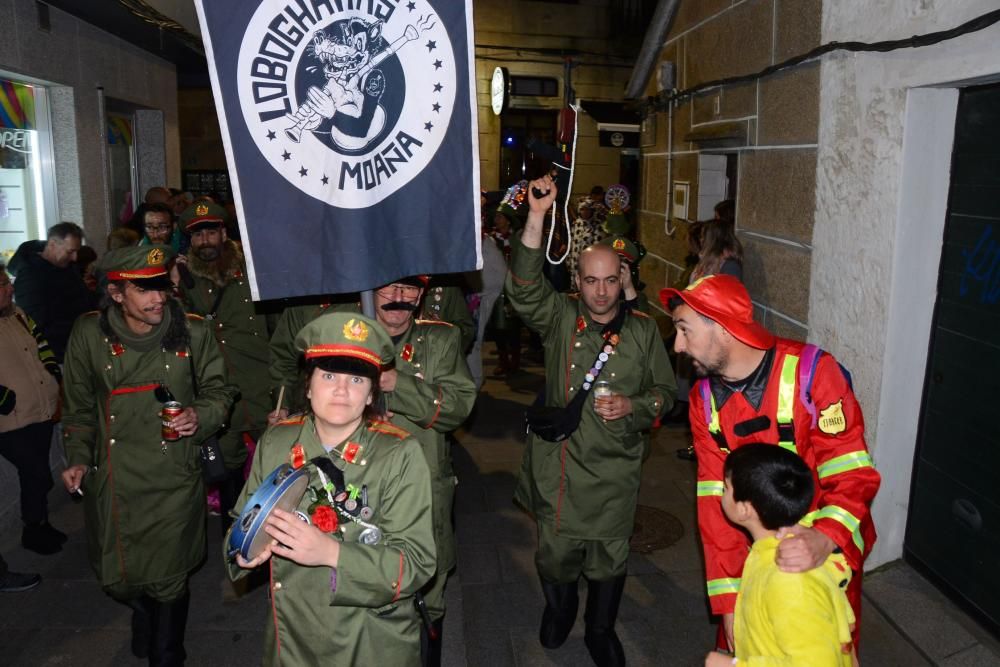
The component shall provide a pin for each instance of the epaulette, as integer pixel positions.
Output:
(294, 420)
(447, 324)
(389, 429)
(639, 313)
(192, 316)
(575, 296)
(91, 313)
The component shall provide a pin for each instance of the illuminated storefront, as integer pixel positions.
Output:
(27, 186)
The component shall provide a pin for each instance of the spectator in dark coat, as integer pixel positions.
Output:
(48, 287)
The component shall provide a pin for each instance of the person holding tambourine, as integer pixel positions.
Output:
(346, 564)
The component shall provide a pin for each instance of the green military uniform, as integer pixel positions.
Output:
(143, 498)
(434, 395)
(240, 330)
(446, 303)
(362, 612)
(585, 488)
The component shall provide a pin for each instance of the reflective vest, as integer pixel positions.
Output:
(786, 398)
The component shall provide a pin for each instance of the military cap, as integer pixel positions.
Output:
(202, 214)
(624, 247)
(341, 340)
(147, 266)
(421, 281)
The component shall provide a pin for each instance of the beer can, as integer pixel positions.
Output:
(170, 410)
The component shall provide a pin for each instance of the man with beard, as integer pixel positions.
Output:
(582, 484)
(429, 394)
(756, 387)
(218, 290)
(158, 225)
(143, 494)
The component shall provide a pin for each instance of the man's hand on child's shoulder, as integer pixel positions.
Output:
(802, 549)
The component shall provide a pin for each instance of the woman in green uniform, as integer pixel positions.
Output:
(342, 583)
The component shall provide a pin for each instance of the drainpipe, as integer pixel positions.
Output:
(651, 46)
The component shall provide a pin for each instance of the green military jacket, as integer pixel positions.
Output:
(144, 500)
(369, 618)
(241, 332)
(587, 486)
(284, 368)
(446, 303)
(434, 395)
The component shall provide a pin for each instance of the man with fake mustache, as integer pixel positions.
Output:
(429, 393)
(218, 290)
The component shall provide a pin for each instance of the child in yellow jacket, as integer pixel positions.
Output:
(782, 618)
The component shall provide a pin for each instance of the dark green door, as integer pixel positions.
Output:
(953, 529)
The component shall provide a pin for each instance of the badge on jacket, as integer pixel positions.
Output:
(831, 418)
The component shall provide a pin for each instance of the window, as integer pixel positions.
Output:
(534, 86)
(27, 186)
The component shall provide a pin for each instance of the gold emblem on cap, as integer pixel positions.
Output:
(355, 330)
(831, 418)
(618, 244)
(154, 257)
(201, 209)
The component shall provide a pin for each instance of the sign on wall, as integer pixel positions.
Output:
(350, 133)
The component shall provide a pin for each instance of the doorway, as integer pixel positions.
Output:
(953, 527)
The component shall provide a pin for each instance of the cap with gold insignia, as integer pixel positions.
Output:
(625, 248)
(146, 266)
(202, 214)
(346, 342)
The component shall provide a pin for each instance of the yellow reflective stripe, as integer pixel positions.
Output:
(841, 516)
(711, 488)
(786, 396)
(723, 586)
(713, 426)
(844, 463)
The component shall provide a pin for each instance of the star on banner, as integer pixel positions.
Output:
(438, 87)
(286, 156)
(428, 125)
(431, 45)
(303, 171)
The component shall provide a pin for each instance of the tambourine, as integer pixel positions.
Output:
(282, 489)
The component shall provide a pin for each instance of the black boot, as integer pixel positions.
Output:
(42, 538)
(169, 620)
(430, 644)
(141, 625)
(561, 601)
(603, 598)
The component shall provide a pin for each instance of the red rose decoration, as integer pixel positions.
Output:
(324, 518)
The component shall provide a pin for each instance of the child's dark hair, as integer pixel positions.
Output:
(776, 482)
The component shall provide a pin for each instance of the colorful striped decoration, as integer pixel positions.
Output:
(119, 130)
(17, 105)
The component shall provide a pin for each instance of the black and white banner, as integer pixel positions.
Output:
(350, 133)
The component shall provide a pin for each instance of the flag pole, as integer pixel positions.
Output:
(368, 303)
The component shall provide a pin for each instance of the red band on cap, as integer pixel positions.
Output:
(150, 272)
(340, 350)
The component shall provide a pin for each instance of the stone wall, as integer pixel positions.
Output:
(78, 59)
(885, 138)
(770, 126)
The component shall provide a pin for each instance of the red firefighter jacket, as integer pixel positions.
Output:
(832, 445)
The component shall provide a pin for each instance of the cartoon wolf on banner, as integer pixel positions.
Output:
(352, 96)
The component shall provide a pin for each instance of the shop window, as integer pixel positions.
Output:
(27, 185)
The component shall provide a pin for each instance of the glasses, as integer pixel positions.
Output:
(159, 228)
(408, 291)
